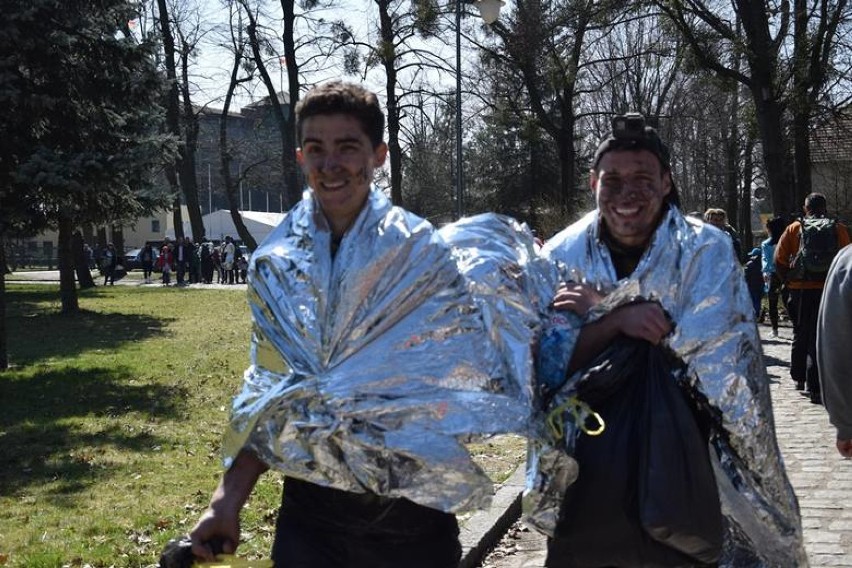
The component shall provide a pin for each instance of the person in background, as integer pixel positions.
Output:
(806, 283)
(181, 253)
(147, 258)
(229, 257)
(89, 254)
(754, 279)
(719, 219)
(772, 282)
(834, 328)
(166, 261)
(242, 268)
(193, 262)
(109, 261)
(206, 260)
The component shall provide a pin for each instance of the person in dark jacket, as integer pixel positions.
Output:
(108, 262)
(754, 279)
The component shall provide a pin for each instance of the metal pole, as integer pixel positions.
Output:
(459, 161)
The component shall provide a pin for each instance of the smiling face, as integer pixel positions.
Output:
(630, 187)
(338, 161)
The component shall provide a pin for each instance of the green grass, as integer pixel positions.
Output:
(111, 422)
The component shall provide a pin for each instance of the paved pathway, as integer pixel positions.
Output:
(822, 479)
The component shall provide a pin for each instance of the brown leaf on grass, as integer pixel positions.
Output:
(162, 524)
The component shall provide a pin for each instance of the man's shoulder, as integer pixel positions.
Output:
(577, 233)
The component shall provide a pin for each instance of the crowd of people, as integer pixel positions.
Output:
(204, 263)
(791, 265)
(188, 263)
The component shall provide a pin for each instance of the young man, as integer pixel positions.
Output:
(636, 267)
(362, 374)
(805, 289)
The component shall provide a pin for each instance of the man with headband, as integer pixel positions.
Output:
(370, 364)
(637, 268)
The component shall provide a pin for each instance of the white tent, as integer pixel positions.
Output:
(218, 224)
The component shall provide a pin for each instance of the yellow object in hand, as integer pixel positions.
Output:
(232, 561)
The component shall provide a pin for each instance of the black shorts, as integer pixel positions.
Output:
(328, 528)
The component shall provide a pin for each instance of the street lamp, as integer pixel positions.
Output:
(489, 11)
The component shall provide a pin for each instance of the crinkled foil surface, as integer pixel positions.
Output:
(691, 270)
(368, 370)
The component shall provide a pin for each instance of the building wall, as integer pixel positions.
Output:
(42, 248)
(834, 180)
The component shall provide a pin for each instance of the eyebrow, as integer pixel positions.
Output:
(344, 140)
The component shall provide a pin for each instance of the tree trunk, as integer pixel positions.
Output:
(189, 180)
(389, 63)
(173, 173)
(67, 284)
(775, 153)
(81, 264)
(225, 161)
(177, 218)
(801, 155)
(763, 64)
(732, 178)
(286, 128)
(4, 355)
(89, 235)
(748, 179)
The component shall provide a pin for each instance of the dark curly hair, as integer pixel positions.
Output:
(339, 97)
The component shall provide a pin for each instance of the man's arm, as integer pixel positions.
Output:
(835, 319)
(221, 520)
(645, 321)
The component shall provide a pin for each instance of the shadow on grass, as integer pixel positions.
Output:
(42, 443)
(37, 330)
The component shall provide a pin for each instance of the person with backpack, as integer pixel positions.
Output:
(802, 258)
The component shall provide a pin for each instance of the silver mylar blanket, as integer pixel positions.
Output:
(691, 270)
(369, 369)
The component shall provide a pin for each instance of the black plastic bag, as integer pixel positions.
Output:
(646, 494)
(678, 497)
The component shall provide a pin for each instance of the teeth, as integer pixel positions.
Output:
(334, 184)
(627, 212)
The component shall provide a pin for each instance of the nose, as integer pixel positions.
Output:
(330, 161)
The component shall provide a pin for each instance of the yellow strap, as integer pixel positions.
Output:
(581, 413)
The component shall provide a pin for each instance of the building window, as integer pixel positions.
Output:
(155, 226)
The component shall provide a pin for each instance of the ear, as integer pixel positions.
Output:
(300, 157)
(667, 182)
(380, 153)
(593, 181)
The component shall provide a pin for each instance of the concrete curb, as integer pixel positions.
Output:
(481, 532)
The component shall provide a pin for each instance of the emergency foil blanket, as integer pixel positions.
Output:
(690, 269)
(369, 369)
